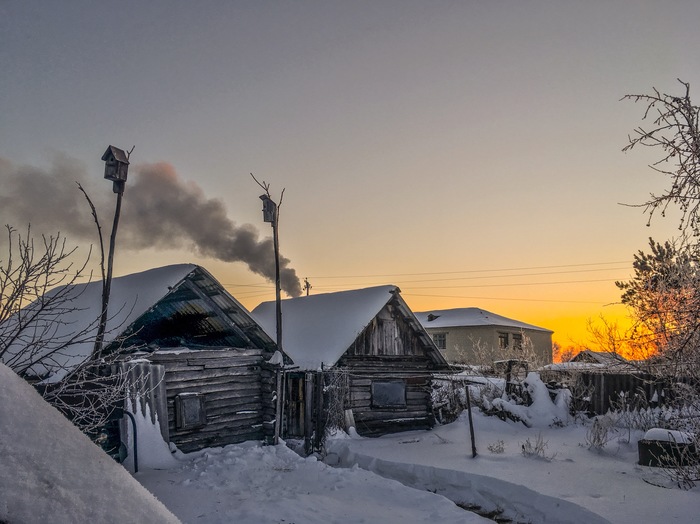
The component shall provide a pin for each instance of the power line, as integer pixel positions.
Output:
(520, 284)
(478, 270)
(512, 276)
(501, 298)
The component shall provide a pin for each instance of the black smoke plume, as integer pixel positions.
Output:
(159, 210)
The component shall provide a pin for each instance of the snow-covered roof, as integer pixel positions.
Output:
(599, 357)
(594, 361)
(318, 329)
(136, 304)
(470, 317)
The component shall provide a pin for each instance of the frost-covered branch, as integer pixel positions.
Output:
(675, 131)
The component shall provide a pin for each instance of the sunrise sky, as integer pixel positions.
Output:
(467, 151)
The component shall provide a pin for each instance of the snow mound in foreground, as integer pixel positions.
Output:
(51, 472)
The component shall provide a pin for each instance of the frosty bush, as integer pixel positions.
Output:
(600, 433)
(497, 447)
(540, 410)
(449, 400)
(536, 449)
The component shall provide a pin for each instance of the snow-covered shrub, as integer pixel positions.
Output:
(449, 400)
(335, 393)
(483, 395)
(542, 410)
(536, 449)
(497, 447)
(600, 433)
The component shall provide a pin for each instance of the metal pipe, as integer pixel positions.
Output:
(136, 447)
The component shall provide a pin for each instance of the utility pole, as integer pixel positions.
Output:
(307, 286)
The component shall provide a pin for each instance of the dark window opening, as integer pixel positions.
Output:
(388, 394)
(189, 411)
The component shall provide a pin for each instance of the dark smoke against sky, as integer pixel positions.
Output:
(159, 210)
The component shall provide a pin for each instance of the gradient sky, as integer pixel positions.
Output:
(467, 151)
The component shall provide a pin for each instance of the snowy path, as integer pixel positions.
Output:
(609, 483)
(493, 496)
(248, 483)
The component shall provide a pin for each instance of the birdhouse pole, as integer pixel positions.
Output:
(271, 214)
(116, 169)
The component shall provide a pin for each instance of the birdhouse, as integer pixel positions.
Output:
(269, 209)
(116, 164)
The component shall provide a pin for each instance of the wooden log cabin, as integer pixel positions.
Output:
(366, 343)
(219, 384)
(199, 359)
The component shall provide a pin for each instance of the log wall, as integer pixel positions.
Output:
(374, 421)
(233, 385)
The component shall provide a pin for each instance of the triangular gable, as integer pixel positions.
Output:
(318, 329)
(139, 299)
(198, 311)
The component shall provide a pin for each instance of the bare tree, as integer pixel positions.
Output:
(36, 292)
(675, 132)
(39, 289)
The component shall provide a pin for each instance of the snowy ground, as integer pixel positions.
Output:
(251, 484)
(608, 483)
(51, 472)
(248, 483)
(429, 475)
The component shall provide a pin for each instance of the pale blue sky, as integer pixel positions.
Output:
(411, 137)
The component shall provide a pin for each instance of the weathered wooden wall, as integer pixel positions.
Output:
(387, 334)
(387, 350)
(233, 384)
(375, 421)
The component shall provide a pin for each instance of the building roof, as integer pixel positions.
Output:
(174, 305)
(470, 317)
(594, 361)
(318, 329)
(118, 154)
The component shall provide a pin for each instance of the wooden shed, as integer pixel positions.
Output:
(218, 381)
(192, 352)
(361, 354)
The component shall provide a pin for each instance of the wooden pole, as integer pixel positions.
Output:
(107, 284)
(471, 422)
(278, 316)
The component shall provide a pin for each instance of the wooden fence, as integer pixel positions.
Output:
(598, 392)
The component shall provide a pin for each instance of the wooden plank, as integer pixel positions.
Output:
(388, 415)
(213, 373)
(161, 356)
(209, 387)
(233, 406)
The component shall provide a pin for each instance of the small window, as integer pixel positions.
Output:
(517, 341)
(503, 340)
(440, 340)
(189, 411)
(388, 394)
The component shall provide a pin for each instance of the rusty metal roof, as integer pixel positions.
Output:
(197, 312)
